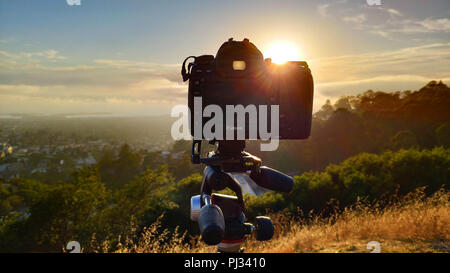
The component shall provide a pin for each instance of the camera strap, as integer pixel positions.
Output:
(187, 73)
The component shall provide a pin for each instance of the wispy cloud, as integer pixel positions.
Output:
(427, 25)
(142, 84)
(357, 19)
(322, 9)
(430, 60)
(50, 54)
(394, 12)
(409, 26)
(402, 69)
(101, 82)
(383, 21)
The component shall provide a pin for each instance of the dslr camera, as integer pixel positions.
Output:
(270, 95)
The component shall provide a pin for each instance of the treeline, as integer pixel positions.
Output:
(117, 169)
(370, 122)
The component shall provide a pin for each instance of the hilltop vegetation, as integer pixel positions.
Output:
(362, 148)
(370, 122)
(84, 210)
(412, 223)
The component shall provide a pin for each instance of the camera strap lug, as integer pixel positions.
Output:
(187, 73)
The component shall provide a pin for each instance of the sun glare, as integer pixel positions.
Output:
(282, 52)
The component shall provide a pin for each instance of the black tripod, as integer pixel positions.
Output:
(221, 218)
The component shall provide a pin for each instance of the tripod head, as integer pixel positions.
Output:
(230, 156)
(221, 217)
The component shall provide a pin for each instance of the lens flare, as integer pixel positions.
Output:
(282, 52)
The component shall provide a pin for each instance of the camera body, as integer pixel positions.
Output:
(239, 75)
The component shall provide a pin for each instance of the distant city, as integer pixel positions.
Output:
(31, 145)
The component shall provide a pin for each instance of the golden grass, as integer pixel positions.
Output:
(414, 223)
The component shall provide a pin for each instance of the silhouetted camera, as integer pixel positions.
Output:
(234, 96)
(239, 75)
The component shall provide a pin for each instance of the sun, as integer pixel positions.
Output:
(282, 52)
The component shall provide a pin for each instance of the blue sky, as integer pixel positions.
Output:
(124, 56)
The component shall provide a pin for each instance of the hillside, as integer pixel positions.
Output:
(371, 122)
(413, 223)
(399, 199)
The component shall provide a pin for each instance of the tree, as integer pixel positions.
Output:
(326, 111)
(443, 135)
(403, 140)
(343, 103)
(59, 215)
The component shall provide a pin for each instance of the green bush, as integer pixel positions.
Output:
(363, 176)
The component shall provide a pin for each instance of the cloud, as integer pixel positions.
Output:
(393, 27)
(394, 12)
(409, 26)
(134, 85)
(8, 55)
(14, 69)
(383, 21)
(401, 69)
(322, 10)
(429, 60)
(35, 80)
(50, 54)
(391, 81)
(433, 25)
(357, 19)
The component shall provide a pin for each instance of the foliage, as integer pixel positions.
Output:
(365, 175)
(369, 122)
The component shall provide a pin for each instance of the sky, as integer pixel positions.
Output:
(124, 57)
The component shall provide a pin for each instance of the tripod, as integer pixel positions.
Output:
(221, 218)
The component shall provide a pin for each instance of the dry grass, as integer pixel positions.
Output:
(156, 239)
(413, 223)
